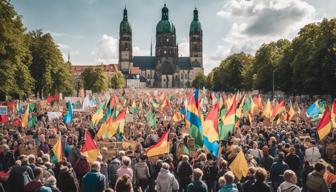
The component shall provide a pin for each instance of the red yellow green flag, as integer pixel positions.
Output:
(210, 125)
(229, 121)
(333, 114)
(90, 149)
(324, 125)
(161, 147)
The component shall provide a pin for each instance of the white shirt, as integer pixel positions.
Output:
(312, 155)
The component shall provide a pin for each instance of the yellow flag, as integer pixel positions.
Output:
(24, 122)
(268, 110)
(57, 149)
(239, 165)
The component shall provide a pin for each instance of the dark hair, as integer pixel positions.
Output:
(281, 156)
(124, 184)
(319, 167)
(38, 171)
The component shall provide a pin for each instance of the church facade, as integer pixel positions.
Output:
(166, 69)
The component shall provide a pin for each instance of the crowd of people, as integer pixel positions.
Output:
(282, 156)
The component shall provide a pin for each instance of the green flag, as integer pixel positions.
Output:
(151, 120)
(247, 105)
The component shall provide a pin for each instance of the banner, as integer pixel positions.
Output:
(54, 115)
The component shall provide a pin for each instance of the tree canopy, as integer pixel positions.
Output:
(117, 81)
(94, 80)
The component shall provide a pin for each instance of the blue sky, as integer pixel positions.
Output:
(89, 29)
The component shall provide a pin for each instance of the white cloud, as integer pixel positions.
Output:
(261, 21)
(137, 51)
(107, 49)
(63, 46)
(183, 48)
(58, 34)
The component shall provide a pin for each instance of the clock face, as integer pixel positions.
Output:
(167, 40)
(165, 52)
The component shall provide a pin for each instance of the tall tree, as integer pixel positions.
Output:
(15, 79)
(200, 81)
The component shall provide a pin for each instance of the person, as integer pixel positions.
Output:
(249, 179)
(210, 173)
(197, 184)
(277, 170)
(19, 176)
(6, 158)
(166, 181)
(255, 152)
(112, 168)
(93, 180)
(315, 181)
(141, 173)
(329, 176)
(267, 159)
(81, 167)
(51, 182)
(66, 180)
(125, 168)
(293, 161)
(184, 172)
(260, 184)
(36, 185)
(289, 185)
(229, 186)
(312, 154)
(124, 184)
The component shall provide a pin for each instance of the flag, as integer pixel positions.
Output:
(290, 113)
(314, 109)
(68, 116)
(98, 115)
(194, 121)
(186, 149)
(25, 117)
(112, 126)
(161, 147)
(247, 105)
(333, 114)
(210, 131)
(279, 108)
(229, 121)
(239, 165)
(324, 125)
(268, 110)
(151, 119)
(90, 149)
(165, 104)
(177, 117)
(154, 104)
(57, 150)
(134, 108)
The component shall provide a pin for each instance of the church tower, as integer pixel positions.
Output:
(166, 52)
(195, 42)
(125, 45)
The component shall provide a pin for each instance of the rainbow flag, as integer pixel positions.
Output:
(161, 147)
(229, 121)
(324, 125)
(194, 121)
(210, 131)
(25, 117)
(90, 149)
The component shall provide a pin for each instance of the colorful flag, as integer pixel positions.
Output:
(68, 116)
(229, 122)
(161, 147)
(98, 115)
(134, 108)
(165, 104)
(210, 131)
(314, 109)
(239, 165)
(90, 149)
(333, 114)
(279, 108)
(57, 150)
(268, 110)
(177, 117)
(324, 125)
(112, 126)
(151, 119)
(25, 117)
(290, 113)
(194, 121)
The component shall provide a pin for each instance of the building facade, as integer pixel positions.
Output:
(166, 69)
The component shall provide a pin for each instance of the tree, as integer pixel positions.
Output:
(94, 79)
(52, 75)
(200, 81)
(15, 79)
(117, 81)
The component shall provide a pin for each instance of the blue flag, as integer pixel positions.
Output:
(68, 116)
(314, 109)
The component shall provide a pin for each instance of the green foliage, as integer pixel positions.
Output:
(52, 75)
(117, 81)
(94, 80)
(232, 71)
(15, 79)
(200, 81)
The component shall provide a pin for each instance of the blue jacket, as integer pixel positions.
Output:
(277, 170)
(229, 188)
(197, 186)
(93, 181)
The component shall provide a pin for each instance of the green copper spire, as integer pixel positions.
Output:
(195, 25)
(124, 25)
(164, 25)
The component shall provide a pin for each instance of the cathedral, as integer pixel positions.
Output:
(166, 69)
